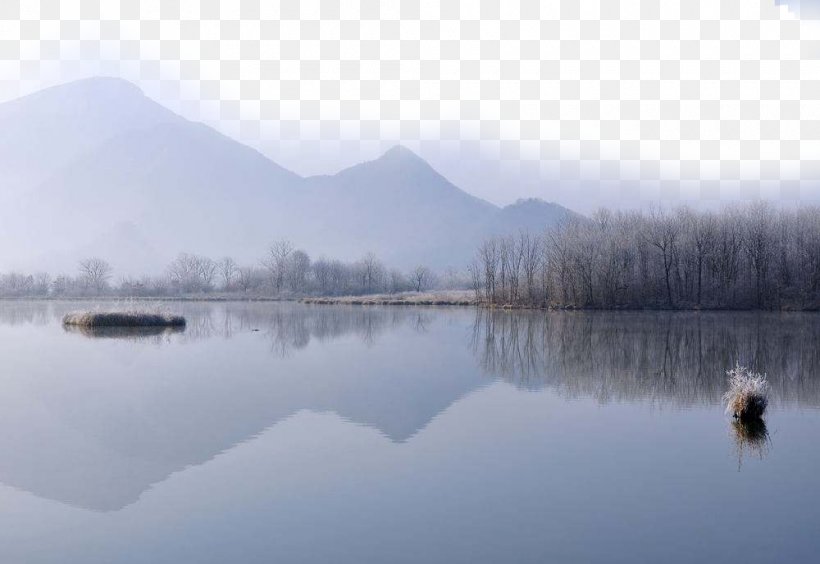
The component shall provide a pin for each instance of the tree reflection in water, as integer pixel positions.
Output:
(668, 357)
(677, 357)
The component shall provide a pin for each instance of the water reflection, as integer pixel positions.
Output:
(22, 312)
(156, 333)
(122, 417)
(667, 357)
(291, 328)
(612, 356)
(288, 327)
(751, 438)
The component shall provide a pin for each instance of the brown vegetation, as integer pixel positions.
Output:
(443, 298)
(95, 319)
(747, 397)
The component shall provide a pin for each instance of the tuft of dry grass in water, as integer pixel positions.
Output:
(96, 319)
(747, 397)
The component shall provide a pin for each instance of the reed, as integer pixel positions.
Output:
(747, 397)
(96, 319)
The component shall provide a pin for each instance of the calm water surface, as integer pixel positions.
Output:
(288, 433)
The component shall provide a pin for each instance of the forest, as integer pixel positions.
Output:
(755, 256)
(744, 257)
(283, 272)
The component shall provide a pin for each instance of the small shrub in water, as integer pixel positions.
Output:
(747, 397)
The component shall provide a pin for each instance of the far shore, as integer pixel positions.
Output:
(467, 298)
(435, 298)
(189, 298)
(439, 298)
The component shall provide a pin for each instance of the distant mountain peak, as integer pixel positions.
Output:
(101, 99)
(93, 89)
(400, 153)
(101, 82)
(96, 160)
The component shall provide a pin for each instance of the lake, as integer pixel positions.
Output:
(291, 433)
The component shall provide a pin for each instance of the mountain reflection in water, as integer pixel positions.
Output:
(124, 414)
(669, 356)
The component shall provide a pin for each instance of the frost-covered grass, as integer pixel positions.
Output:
(747, 397)
(123, 319)
(125, 314)
(433, 298)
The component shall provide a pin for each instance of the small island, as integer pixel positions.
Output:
(97, 319)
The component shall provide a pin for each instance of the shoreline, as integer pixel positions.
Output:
(461, 299)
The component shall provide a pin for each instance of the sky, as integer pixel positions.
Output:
(583, 102)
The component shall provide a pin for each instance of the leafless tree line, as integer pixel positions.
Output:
(753, 256)
(283, 271)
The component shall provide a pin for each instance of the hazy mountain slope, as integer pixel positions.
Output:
(126, 245)
(400, 208)
(185, 186)
(42, 132)
(530, 214)
(78, 160)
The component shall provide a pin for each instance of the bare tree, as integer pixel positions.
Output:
(298, 271)
(662, 233)
(322, 275)
(371, 273)
(183, 272)
(245, 277)
(276, 262)
(42, 283)
(206, 269)
(703, 238)
(750, 256)
(228, 270)
(421, 277)
(398, 281)
(95, 273)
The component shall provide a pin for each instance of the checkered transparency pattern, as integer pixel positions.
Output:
(636, 100)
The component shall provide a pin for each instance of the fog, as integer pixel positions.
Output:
(95, 168)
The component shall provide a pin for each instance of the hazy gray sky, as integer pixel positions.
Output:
(584, 102)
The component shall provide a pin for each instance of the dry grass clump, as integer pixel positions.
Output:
(747, 397)
(97, 319)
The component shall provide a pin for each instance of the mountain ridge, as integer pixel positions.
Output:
(113, 156)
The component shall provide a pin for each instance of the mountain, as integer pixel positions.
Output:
(124, 243)
(81, 160)
(185, 186)
(400, 208)
(531, 214)
(45, 131)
